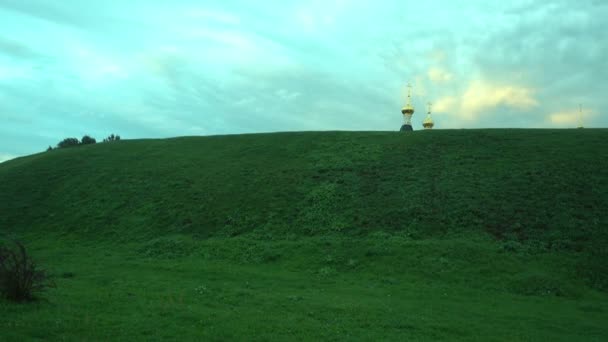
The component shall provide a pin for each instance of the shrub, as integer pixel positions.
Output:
(20, 278)
(68, 142)
(112, 137)
(49, 149)
(86, 140)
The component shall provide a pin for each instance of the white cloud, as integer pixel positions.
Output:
(438, 55)
(286, 95)
(445, 104)
(439, 75)
(12, 72)
(319, 16)
(207, 15)
(571, 117)
(483, 96)
(229, 47)
(245, 101)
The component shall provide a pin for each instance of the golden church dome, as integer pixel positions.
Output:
(428, 122)
(407, 109)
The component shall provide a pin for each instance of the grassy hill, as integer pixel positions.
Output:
(444, 234)
(549, 185)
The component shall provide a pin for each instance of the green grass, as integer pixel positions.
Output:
(488, 235)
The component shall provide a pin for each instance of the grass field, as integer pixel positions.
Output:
(482, 235)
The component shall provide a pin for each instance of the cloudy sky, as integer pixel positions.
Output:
(163, 68)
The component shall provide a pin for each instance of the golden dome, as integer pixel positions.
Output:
(408, 108)
(428, 122)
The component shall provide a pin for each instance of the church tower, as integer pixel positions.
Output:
(428, 122)
(407, 112)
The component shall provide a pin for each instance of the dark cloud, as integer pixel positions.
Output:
(558, 49)
(552, 42)
(61, 12)
(16, 49)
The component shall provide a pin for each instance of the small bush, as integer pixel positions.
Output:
(112, 137)
(86, 140)
(20, 278)
(68, 142)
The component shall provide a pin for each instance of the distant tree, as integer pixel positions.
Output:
(68, 142)
(49, 149)
(112, 137)
(86, 140)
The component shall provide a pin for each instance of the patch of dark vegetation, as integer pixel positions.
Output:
(543, 285)
(68, 142)
(112, 137)
(20, 277)
(593, 266)
(239, 222)
(67, 275)
(591, 308)
(86, 140)
(167, 248)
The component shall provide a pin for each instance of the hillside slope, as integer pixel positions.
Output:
(456, 235)
(549, 186)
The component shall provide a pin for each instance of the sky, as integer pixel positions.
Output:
(165, 68)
